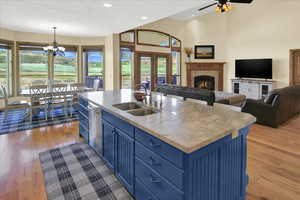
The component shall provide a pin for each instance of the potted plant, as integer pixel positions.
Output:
(188, 52)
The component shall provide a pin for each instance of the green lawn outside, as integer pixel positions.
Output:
(126, 68)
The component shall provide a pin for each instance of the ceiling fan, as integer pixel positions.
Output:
(225, 5)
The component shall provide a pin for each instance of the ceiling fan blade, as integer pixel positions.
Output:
(241, 1)
(207, 6)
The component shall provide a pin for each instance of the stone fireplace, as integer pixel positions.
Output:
(204, 82)
(207, 75)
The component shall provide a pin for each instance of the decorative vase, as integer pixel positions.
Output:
(188, 59)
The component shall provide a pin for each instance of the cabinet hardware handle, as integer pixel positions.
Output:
(153, 179)
(153, 162)
(152, 144)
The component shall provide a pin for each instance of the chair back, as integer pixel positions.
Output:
(96, 84)
(5, 95)
(38, 93)
(59, 91)
(76, 87)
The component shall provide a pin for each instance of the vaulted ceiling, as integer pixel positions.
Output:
(87, 17)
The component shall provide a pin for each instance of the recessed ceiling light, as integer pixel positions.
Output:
(144, 18)
(107, 5)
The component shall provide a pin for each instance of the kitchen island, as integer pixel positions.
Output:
(186, 151)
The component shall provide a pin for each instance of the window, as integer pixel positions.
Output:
(146, 64)
(153, 38)
(127, 37)
(162, 70)
(176, 67)
(6, 66)
(33, 66)
(126, 67)
(66, 68)
(93, 66)
(175, 43)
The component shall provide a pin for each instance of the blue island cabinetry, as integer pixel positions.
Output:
(83, 119)
(151, 169)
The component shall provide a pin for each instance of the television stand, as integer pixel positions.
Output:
(252, 88)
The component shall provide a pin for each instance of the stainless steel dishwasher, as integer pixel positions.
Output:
(95, 128)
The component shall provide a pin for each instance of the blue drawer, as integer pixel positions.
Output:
(160, 165)
(155, 183)
(83, 110)
(159, 147)
(119, 123)
(141, 193)
(83, 102)
(83, 132)
(83, 120)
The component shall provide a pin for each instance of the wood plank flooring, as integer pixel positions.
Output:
(273, 164)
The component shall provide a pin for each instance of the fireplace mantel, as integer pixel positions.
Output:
(205, 66)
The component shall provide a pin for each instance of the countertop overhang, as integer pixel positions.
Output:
(185, 125)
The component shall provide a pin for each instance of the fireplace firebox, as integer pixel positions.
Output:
(204, 82)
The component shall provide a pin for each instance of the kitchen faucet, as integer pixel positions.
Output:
(155, 103)
(147, 93)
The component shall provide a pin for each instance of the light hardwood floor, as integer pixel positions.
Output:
(273, 164)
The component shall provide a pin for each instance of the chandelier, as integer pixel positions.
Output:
(54, 49)
(223, 6)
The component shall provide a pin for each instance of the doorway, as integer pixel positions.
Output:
(152, 69)
(295, 67)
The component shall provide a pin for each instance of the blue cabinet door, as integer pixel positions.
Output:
(125, 159)
(109, 144)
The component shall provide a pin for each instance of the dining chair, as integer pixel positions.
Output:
(96, 84)
(58, 98)
(11, 105)
(38, 99)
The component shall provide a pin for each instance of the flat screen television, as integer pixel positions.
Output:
(254, 68)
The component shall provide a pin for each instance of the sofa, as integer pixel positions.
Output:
(278, 107)
(209, 96)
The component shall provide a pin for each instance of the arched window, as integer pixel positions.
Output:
(153, 38)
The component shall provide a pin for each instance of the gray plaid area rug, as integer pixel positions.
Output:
(76, 172)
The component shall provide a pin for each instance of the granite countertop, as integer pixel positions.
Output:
(185, 125)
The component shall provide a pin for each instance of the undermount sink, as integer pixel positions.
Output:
(142, 111)
(136, 109)
(128, 106)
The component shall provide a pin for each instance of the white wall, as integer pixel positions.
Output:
(112, 62)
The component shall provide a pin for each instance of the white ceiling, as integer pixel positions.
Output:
(193, 12)
(87, 17)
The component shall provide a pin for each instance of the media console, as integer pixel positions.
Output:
(253, 89)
